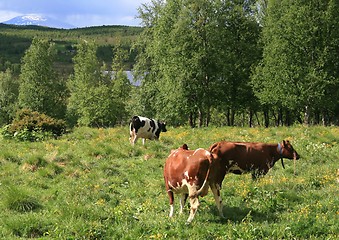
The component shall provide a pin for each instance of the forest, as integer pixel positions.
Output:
(200, 63)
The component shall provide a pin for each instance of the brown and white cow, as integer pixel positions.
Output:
(145, 128)
(257, 158)
(190, 173)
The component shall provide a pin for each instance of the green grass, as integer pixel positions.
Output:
(92, 184)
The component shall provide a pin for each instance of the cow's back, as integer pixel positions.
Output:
(189, 165)
(240, 157)
(226, 150)
(176, 163)
(179, 161)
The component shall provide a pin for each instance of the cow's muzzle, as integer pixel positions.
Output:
(295, 156)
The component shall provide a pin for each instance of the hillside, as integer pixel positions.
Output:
(16, 39)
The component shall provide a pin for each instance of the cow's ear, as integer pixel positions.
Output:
(214, 155)
(284, 143)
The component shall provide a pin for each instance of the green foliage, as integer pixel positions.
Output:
(121, 86)
(9, 90)
(32, 126)
(92, 184)
(95, 99)
(198, 56)
(82, 85)
(295, 72)
(40, 89)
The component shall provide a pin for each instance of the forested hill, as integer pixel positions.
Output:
(16, 39)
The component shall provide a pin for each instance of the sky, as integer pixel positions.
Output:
(79, 13)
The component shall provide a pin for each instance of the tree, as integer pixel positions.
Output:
(239, 34)
(296, 72)
(121, 86)
(9, 90)
(40, 89)
(194, 54)
(91, 102)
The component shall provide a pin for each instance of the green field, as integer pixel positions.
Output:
(92, 184)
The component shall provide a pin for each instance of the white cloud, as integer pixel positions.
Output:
(7, 15)
(81, 20)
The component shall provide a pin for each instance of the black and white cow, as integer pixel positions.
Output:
(145, 128)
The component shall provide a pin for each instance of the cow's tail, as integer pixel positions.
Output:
(207, 175)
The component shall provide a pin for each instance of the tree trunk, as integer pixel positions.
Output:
(250, 118)
(266, 118)
(208, 117)
(324, 118)
(232, 117)
(228, 117)
(200, 118)
(256, 116)
(307, 115)
(287, 118)
(280, 117)
(190, 120)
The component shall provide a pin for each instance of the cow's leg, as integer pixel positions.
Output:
(143, 141)
(134, 139)
(183, 201)
(256, 174)
(171, 200)
(218, 201)
(194, 203)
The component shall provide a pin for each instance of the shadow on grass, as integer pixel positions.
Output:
(240, 214)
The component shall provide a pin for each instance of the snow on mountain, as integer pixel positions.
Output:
(39, 20)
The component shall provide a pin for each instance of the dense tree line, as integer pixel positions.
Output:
(198, 54)
(241, 61)
(199, 62)
(298, 74)
(89, 97)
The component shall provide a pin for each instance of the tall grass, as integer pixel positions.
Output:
(92, 184)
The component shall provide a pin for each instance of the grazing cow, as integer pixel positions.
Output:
(190, 173)
(257, 158)
(145, 128)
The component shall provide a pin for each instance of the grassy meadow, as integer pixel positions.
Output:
(92, 184)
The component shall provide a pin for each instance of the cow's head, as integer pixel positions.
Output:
(287, 150)
(162, 126)
(184, 146)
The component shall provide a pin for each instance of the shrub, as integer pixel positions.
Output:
(30, 125)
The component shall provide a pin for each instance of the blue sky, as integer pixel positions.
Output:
(79, 13)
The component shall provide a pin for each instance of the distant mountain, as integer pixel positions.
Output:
(39, 20)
